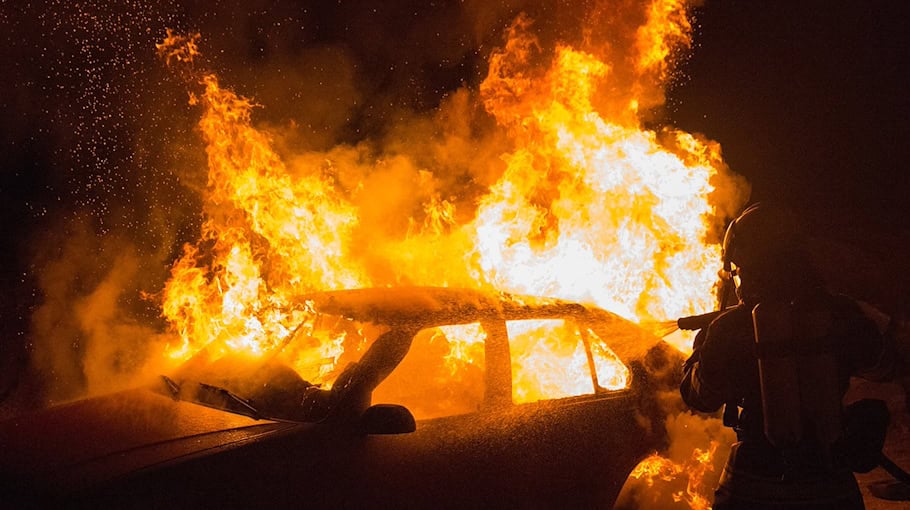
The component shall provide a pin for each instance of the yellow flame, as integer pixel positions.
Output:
(590, 207)
(269, 235)
(465, 345)
(657, 468)
(667, 28)
(549, 361)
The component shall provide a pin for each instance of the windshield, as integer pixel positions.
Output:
(292, 381)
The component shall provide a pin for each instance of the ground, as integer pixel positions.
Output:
(897, 444)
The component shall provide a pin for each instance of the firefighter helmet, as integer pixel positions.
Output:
(762, 236)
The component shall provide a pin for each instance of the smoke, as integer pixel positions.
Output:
(92, 332)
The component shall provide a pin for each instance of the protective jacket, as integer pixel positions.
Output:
(724, 370)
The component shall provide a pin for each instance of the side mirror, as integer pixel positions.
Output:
(387, 419)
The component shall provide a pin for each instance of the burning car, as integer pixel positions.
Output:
(440, 397)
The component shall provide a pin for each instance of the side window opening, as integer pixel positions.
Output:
(611, 373)
(460, 369)
(442, 374)
(555, 358)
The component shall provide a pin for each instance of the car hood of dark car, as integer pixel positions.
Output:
(81, 444)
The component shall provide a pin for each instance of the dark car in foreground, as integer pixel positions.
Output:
(442, 398)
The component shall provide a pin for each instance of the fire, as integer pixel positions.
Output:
(667, 28)
(550, 363)
(234, 289)
(590, 206)
(465, 345)
(657, 469)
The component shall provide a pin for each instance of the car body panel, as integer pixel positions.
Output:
(526, 456)
(87, 442)
(142, 448)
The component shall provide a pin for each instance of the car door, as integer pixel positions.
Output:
(481, 442)
(540, 444)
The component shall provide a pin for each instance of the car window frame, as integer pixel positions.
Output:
(497, 369)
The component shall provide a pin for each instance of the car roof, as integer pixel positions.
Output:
(428, 306)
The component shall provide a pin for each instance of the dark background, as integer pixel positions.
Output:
(808, 100)
(810, 103)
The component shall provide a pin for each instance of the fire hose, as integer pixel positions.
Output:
(696, 322)
(690, 323)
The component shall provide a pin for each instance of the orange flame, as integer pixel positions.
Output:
(590, 207)
(269, 235)
(656, 468)
(549, 363)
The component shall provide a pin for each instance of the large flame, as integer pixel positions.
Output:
(589, 208)
(269, 234)
(590, 205)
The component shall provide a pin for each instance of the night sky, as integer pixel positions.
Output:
(808, 100)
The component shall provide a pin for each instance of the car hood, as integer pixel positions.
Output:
(83, 443)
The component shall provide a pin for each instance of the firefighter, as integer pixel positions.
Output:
(780, 361)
